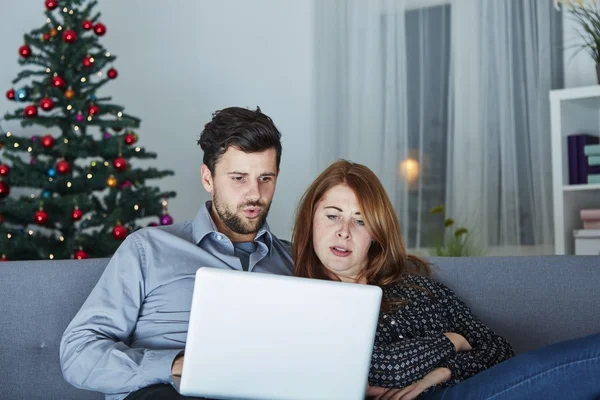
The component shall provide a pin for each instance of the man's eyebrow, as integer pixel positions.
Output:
(340, 210)
(246, 174)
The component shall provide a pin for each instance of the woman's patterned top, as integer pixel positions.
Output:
(410, 341)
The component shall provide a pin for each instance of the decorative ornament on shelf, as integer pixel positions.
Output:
(107, 135)
(47, 141)
(69, 94)
(46, 104)
(22, 94)
(76, 214)
(80, 255)
(112, 182)
(45, 37)
(10, 94)
(100, 29)
(4, 170)
(3, 258)
(69, 36)
(46, 194)
(126, 185)
(50, 4)
(53, 32)
(79, 117)
(119, 232)
(4, 189)
(30, 111)
(25, 51)
(63, 167)
(58, 82)
(87, 25)
(51, 172)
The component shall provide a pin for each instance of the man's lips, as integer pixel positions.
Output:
(252, 212)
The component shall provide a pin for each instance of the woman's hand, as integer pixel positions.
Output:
(459, 341)
(410, 392)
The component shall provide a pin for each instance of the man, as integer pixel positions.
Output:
(128, 337)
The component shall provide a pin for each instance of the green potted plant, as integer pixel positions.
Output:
(587, 16)
(454, 240)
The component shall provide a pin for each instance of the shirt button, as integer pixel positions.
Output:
(219, 237)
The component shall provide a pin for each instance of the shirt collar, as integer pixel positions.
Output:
(203, 224)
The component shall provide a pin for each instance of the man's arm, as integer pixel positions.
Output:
(93, 350)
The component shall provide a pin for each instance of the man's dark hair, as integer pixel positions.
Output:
(246, 130)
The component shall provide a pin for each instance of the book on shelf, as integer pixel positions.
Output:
(592, 214)
(593, 178)
(591, 224)
(592, 150)
(593, 160)
(577, 158)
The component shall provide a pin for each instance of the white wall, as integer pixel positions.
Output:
(180, 60)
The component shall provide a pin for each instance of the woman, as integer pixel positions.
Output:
(428, 343)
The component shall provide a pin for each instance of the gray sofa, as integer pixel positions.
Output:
(532, 301)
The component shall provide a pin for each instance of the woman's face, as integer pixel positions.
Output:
(340, 238)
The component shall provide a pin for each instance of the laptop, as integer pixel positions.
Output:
(262, 336)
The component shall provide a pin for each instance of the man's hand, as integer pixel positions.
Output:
(177, 366)
(459, 341)
(410, 392)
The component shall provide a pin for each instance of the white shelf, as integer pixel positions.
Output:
(572, 110)
(574, 188)
(576, 93)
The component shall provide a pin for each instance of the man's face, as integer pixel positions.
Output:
(242, 188)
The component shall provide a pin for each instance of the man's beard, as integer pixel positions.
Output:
(236, 223)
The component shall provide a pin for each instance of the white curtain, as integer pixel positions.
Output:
(505, 60)
(448, 105)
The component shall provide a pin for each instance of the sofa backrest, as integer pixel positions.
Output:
(532, 301)
(38, 300)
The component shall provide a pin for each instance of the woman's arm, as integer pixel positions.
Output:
(401, 363)
(488, 348)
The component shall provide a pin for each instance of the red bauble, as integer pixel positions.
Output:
(94, 109)
(4, 170)
(76, 214)
(46, 104)
(51, 4)
(63, 167)
(58, 82)
(46, 37)
(120, 164)
(112, 73)
(40, 217)
(70, 36)
(80, 255)
(47, 141)
(129, 139)
(100, 29)
(87, 24)
(10, 94)
(3, 258)
(24, 51)
(4, 189)
(119, 232)
(87, 61)
(30, 111)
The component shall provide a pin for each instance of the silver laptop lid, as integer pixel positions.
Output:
(260, 336)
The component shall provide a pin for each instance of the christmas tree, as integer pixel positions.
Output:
(83, 194)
